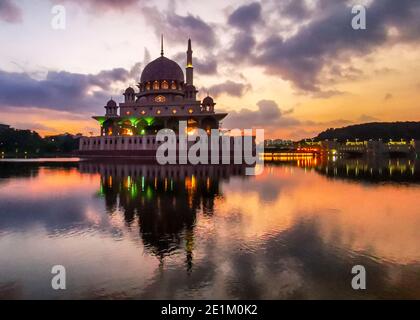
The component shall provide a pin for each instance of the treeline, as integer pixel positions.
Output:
(375, 131)
(14, 141)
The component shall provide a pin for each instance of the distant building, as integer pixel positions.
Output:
(278, 143)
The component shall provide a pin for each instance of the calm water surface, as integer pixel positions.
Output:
(127, 230)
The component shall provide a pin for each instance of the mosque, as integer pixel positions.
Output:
(164, 97)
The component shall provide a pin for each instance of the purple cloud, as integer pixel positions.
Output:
(102, 5)
(60, 90)
(245, 17)
(229, 87)
(10, 12)
(268, 115)
(177, 28)
(329, 37)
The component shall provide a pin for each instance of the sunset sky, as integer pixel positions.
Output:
(293, 67)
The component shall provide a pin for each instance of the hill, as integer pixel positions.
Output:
(374, 130)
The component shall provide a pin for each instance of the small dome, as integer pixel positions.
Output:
(162, 68)
(208, 101)
(129, 90)
(111, 103)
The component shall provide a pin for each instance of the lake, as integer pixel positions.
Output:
(144, 231)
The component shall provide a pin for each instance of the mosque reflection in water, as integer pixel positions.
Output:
(162, 200)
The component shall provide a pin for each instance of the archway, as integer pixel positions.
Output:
(110, 128)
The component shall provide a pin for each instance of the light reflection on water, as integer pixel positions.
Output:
(127, 230)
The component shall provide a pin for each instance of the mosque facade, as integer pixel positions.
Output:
(163, 98)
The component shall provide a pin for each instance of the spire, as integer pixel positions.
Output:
(161, 45)
(189, 54)
(189, 70)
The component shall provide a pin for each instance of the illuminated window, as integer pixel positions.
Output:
(174, 111)
(158, 112)
(148, 86)
(128, 113)
(127, 132)
(143, 112)
(160, 99)
(156, 85)
(173, 85)
(190, 111)
(165, 84)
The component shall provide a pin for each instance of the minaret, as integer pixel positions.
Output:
(161, 45)
(189, 69)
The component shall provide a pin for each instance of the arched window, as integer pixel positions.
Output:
(173, 85)
(165, 85)
(155, 85)
(148, 86)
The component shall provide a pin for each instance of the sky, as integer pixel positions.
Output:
(292, 67)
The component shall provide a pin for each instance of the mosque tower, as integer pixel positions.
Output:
(190, 90)
(189, 70)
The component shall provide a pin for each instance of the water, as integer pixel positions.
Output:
(127, 230)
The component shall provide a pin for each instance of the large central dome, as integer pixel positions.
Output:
(162, 69)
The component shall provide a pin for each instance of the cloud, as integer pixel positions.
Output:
(33, 126)
(330, 123)
(206, 65)
(61, 90)
(268, 115)
(229, 87)
(388, 96)
(241, 47)
(367, 118)
(296, 9)
(337, 72)
(177, 28)
(329, 37)
(10, 12)
(102, 5)
(327, 94)
(246, 16)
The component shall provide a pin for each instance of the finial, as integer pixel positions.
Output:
(161, 45)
